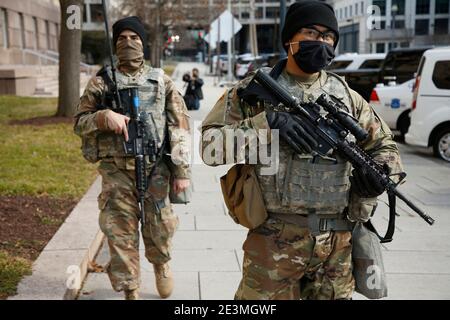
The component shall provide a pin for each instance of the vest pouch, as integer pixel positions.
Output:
(243, 197)
(320, 186)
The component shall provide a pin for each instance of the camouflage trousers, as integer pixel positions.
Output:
(119, 221)
(283, 261)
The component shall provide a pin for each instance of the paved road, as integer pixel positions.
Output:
(207, 254)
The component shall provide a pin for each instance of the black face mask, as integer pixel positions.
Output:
(313, 56)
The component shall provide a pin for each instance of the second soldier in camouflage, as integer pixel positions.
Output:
(103, 132)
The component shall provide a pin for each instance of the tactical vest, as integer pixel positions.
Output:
(152, 95)
(305, 184)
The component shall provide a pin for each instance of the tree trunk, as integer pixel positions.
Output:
(69, 58)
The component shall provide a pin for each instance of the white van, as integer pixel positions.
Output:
(393, 104)
(430, 115)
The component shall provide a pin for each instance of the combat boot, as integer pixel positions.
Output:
(132, 294)
(164, 279)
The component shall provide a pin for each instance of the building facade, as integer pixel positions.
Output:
(376, 26)
(28, 27)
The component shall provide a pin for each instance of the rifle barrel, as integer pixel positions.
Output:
(426, 217)
(110, 52)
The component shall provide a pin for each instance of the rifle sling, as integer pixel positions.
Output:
(391, 225)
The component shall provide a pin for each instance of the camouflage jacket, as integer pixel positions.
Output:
(299, 185)
(160, 97)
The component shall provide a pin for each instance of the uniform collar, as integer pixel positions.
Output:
(309, 84)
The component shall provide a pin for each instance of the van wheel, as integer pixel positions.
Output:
(403, 123)
(441, 145)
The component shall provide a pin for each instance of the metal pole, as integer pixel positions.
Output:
(209, 36)
(252, 26)
(282, 21)
(229, 53)
(218, 69)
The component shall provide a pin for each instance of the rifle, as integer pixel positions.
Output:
(139, 144)
(332, 129)
(117, 105)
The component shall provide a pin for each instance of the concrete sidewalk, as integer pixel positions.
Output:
(207, 254)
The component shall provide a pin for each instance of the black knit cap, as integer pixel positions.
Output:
(129, 23)
(304, 13)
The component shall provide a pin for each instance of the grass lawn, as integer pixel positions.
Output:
(39, 161)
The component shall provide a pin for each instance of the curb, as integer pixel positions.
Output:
(72, 294)
(61, 268)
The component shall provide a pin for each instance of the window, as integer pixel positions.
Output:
(346, 12)
(349, 36)
(36, 33)
(272, 12)
(3, 29)
(401, 6)
(362, 8)
(392, 45)
(382, 25)
(85, 13)
(342, 64)
(259, 13)
(399, 24)
(245, 15)
(441, 75)
(382, 5)
(96, 13)
(404, 45)
(422, 27)
(441, 26)
(22, 31)
(423, 6)
(351, 11)
(371, 64)
(442, 6)
(47, 33)
(356, 9)
(403, 62)
(380, 48)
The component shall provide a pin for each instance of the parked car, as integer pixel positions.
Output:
(243, 63)
(393, 104)
(430, 115)
(223, 63)
(398, 67)
(354, 61)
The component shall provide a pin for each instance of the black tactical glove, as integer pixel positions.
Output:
(365, 185)
(291, 130)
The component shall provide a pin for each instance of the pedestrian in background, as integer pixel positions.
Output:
(194, 91)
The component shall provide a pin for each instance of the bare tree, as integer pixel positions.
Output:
(69, 57)
(161, 15)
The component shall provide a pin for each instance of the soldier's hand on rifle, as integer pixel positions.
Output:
(292, 131)
(366, 185)
(118, 123)
(179, 185)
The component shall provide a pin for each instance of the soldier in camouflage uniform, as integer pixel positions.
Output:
(103, 132)
(303, 250)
